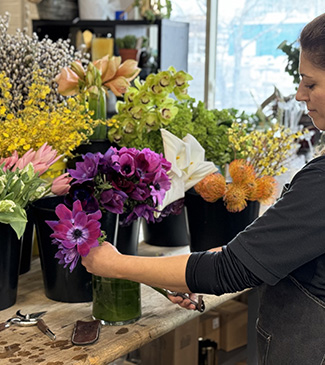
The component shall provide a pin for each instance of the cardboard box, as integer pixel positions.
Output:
(179, 346)
(233, 325)
(210, 326)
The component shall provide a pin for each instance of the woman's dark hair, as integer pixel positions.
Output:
(312, 41)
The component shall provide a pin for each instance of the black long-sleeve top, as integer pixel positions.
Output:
(289, 238)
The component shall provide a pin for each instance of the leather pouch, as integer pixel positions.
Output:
(85, 333)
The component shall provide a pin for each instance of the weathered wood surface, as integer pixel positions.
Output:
(27, 345)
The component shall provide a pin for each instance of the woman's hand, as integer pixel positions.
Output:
(102, 260)
(184, 303)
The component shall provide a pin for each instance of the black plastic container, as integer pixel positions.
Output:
(211, 225)
(59, 283)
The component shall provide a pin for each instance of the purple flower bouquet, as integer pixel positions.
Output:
(126, 181)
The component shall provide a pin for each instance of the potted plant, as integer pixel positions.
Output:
(128, 47)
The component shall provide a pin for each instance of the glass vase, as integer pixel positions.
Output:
(98, 105)
(116, 301)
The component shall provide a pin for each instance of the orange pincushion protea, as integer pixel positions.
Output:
(212, 187)
(265, 190)
(244, 186)
(241, 171)
(235, 197)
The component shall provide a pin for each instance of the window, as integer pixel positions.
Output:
(194, 12)
(248, 62)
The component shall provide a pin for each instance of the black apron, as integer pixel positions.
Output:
(291, 325)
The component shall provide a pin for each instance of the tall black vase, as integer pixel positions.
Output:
(172, 231)
(59, 283)
(211, 225)
(10, 252)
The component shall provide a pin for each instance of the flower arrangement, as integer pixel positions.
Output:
(123, 181)
(93, 82)
(64, 126)
(261, 155)
(245, 185)
(20, 184)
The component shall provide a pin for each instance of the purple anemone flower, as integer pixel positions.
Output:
(113, 200)
(85, 193)
(75, 231)
(87, 169)
(109, 161)
(174, 208)
(66, 256)
(160, 185)
(141, 192)
(142, 210)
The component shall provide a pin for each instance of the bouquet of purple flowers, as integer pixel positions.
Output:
(128, 182)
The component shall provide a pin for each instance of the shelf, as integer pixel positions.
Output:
(168, 39)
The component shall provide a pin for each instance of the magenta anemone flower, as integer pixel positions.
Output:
(75, 230)
(127, 165)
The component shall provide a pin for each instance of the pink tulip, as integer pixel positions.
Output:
(9, 162)
(41, 159)
(24, 160)
(61, 184)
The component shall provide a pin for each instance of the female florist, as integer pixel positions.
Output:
(165, 155)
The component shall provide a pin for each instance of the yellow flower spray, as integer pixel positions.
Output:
(64, 126)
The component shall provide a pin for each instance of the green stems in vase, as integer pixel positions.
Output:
(116, 301)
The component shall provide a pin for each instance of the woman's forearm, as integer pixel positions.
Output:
(165, 272)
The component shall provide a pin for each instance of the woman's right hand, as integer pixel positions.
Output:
(184, 303)
(102, 260)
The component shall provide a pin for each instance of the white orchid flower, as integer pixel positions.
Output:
(188, 164)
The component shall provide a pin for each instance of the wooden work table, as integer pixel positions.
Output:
(27, 345)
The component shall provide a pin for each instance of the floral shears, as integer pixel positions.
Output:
(199, 305)
(26, 320)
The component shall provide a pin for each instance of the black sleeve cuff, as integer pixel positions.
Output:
(218, 273)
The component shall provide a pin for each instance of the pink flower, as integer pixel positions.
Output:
(116, 76)
(9, 162)
(61, 184)
(75, 232)
(41, 159)
(68, 81)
